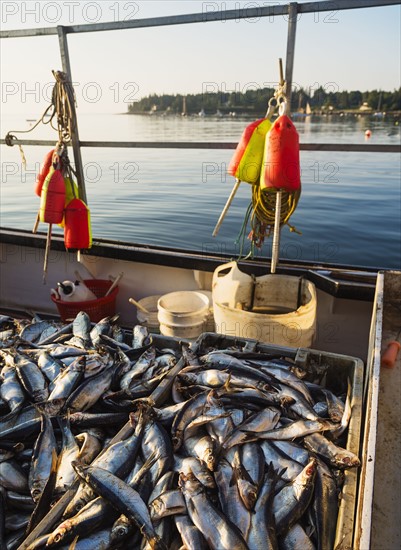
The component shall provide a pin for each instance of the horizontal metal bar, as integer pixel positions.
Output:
(350, 147)
(204, 17)
(346, 147)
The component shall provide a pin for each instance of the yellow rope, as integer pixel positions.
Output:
(263, 214)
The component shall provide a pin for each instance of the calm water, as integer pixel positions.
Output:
(349, 211)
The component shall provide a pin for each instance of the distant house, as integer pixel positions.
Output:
(365, 107)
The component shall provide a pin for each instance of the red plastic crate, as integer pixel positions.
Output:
(104, 306)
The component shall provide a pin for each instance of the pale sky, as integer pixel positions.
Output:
(353, 49)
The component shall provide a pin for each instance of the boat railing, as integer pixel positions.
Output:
(291, 11)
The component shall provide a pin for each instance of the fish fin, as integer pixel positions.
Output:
(226, 385)
(80, 468)
(74, 543)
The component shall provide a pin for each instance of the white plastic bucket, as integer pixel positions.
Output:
(149, 320)
(283, 307)
(209, 326)
(183, 314)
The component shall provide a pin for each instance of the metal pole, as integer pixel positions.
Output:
(289, 67)
(276, 234)
(65, 61)
(289, 61)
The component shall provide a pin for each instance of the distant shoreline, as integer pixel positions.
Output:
(298, 115)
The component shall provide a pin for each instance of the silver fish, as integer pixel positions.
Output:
(262, 533)
(50, 367)
(12, 477)
(33, 331)
(68, 380)
(10, 389)
(122, 497)
(195, 466)
(31, 378)
(190, 535)
(218, 531)
(168, 503)
(43, 459)
(229, 498)
(89, 392)
(140, 336)
(336, 456)
(296, 538)
(69, 452)
(291, 502)
(81, 328)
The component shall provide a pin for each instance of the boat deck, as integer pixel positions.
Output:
(386, 513)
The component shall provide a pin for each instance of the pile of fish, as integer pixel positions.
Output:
(117, 439)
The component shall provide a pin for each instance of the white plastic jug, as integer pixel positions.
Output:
(275, 309)
(75, 292)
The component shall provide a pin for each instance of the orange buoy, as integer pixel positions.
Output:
(77, 226)
(44, 170)
(246, 162)
(389, 355)
(281, 166)
(52, 199)
(368, 134)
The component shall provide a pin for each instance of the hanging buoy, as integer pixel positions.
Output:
(77, 226)
(368, 134)
(71, 192)
(44, 170)
(246, 162)
(281, 165)
(52, 200)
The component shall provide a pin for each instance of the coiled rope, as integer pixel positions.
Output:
(63, 97)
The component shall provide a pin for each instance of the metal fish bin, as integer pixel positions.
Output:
(341, 368)
(340, 374)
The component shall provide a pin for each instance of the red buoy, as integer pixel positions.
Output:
(77, 228)
(52, 198)
(368, 134)
(44, 170)
(281, 166)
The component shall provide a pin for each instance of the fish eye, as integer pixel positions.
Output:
(58, 537)
(346, 460)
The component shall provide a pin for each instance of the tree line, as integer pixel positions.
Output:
(254, 101)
